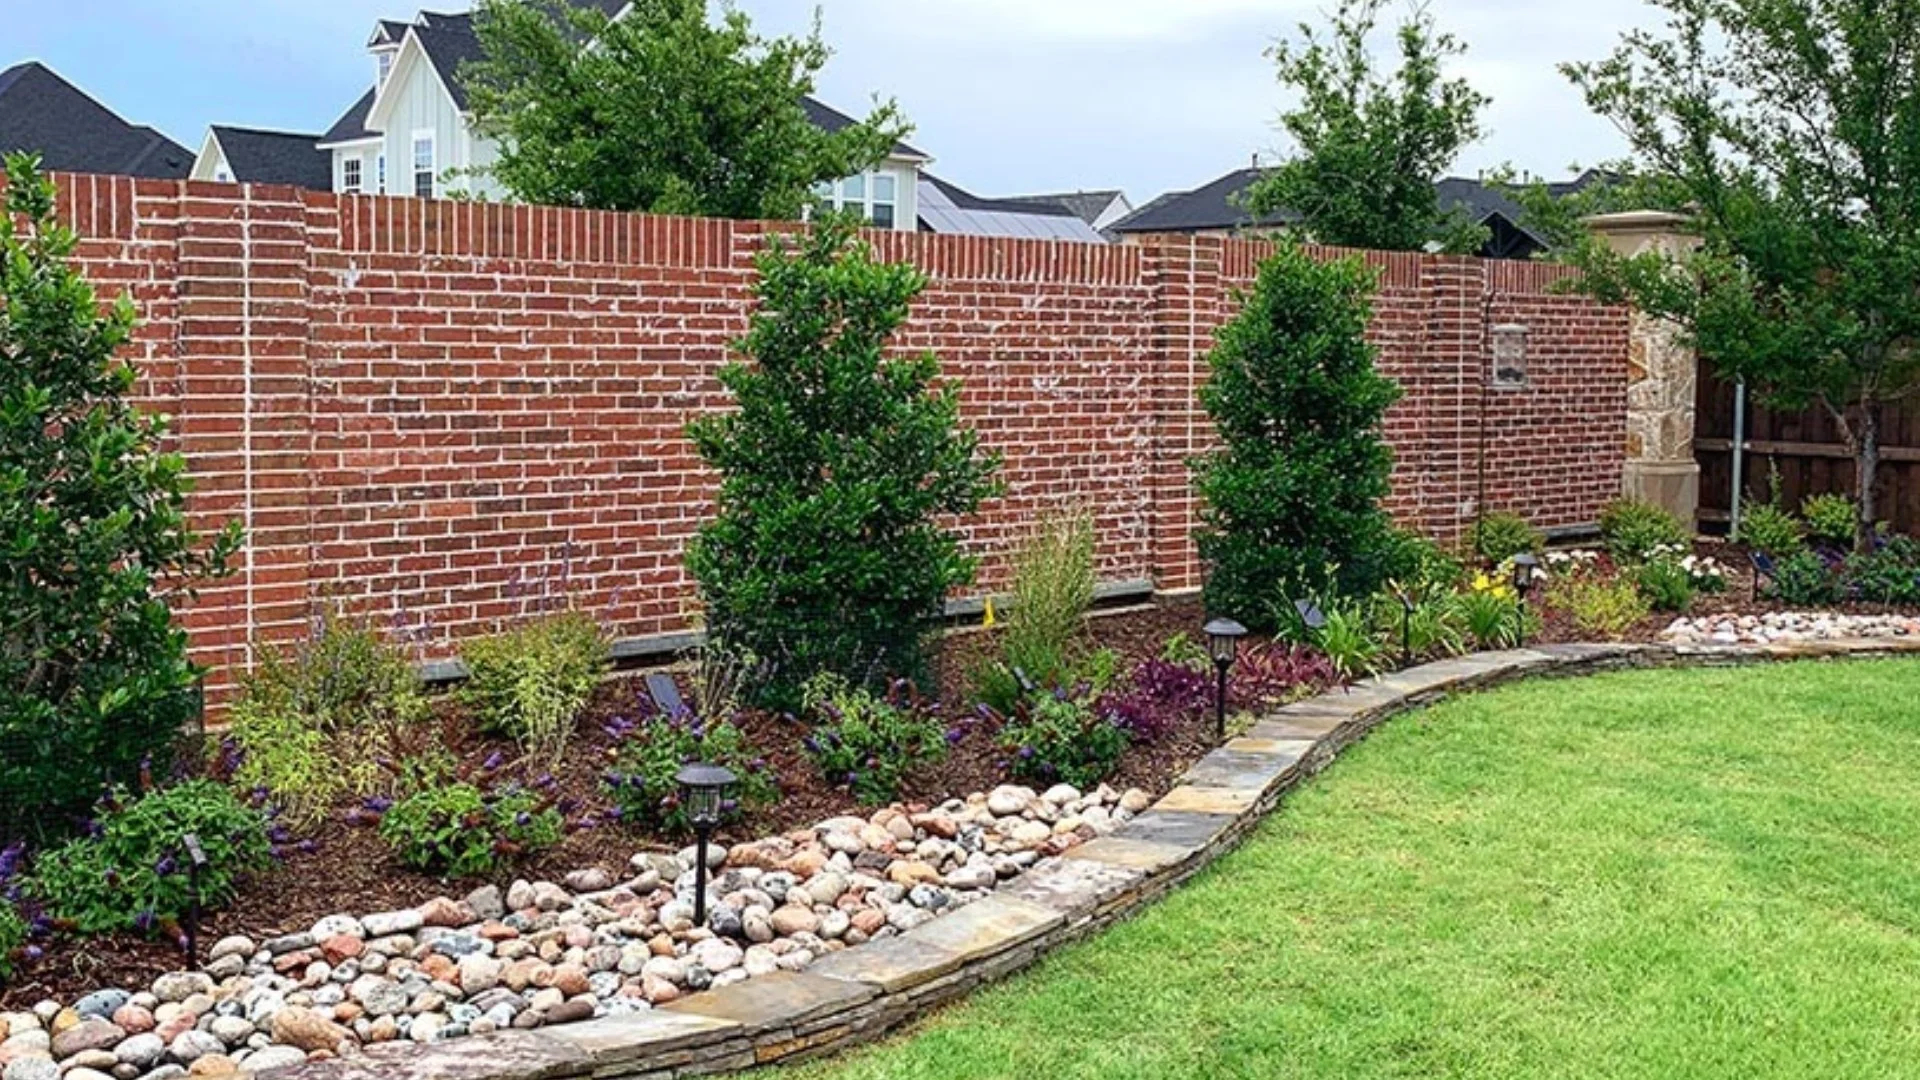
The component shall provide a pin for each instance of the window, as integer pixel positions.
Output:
(380, 173)
(423, 170)
(1510, 357)
(386, 66)
(351, 177)
(874, 196)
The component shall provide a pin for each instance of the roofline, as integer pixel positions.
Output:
(264, 131)
(412, 45)
(343, 144)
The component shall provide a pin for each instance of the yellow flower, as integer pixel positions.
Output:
(1482, 583)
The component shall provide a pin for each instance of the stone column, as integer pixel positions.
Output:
(1663, 375)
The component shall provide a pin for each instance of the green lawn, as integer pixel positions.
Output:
(1649, 875)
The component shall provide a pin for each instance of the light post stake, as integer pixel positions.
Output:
(1223, 644)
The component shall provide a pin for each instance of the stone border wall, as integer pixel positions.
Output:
(862, 993)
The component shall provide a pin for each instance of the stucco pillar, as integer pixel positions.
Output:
(1663, 374)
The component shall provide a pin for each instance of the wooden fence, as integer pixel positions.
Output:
(1809, 452)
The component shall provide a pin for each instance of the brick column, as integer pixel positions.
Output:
(1662, 376)
(1185, 293)
(244, 422)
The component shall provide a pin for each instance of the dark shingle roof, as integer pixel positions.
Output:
(388, 32)
(43, 113)
(1085, 205)
(1213, 206)
(352, 124)
(450, 41)
(275, 157)
(967, 200)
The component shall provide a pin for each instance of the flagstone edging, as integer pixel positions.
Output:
(861, 993)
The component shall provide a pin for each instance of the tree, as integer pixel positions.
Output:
(659, 111)
(827, 554)
(1292, 497)
(1790, 130)
(1369, 148)
(94, 677)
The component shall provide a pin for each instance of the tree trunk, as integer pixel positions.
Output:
(1866, 465)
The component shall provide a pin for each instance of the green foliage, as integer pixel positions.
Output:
(1422, 567)
(1786, 129)
(1060, 738)
(13, 936)
(1292, 498)
(1435, 625)
(1830, 518)
(1602, 605)
(666, 112)
(1053, 587)
(305, 717)
(1767, 528)
(1804, 579)
(1372, 147)
(1887, 575)
(531, 682)
(1632, 529)
(459, 830)
(1665, 584)
(1500, 535)
(642, 782)
(868, 743)
(1349, 643)
(94, 539)
(132, 873)
(838, 474)
(1490, 613)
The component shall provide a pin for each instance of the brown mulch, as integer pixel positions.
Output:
(342, 867)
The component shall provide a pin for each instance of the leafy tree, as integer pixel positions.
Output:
(1292, 497)
(1790, 129)
(94, 677)
(663, 111)
(1371, 147)
(827, 554)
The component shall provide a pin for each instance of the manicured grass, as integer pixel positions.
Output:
(1646, 875)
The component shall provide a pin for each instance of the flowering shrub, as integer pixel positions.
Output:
(459, 829)
(643, 784)
(1600, 602)
(131, 873)
(1060, 738)
(1490, 612)
(1156, 696)
(1804, 579)
(1278, 674)
(866, 743)
(1665, 584)
(1634, 529)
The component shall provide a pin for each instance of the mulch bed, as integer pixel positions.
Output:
(349, 869)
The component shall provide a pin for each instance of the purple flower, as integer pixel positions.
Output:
(145, 921)
(165, 867)
(493, 762)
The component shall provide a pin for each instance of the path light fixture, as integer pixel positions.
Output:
(703, 791)
(196, 862)
(1406, 624)
(1223, 644)
(1525, 568)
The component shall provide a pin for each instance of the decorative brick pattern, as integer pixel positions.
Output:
(419, 408)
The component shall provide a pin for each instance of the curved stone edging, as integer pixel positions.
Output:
(862, 993)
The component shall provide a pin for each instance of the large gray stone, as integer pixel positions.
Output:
(780, 999)
(989, 927)
(892, 964)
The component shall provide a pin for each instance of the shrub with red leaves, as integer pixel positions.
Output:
(1278, 673)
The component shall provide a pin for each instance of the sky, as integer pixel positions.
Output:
(1009, 96)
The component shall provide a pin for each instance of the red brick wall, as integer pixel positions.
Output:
(427, 409)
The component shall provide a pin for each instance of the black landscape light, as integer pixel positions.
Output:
(1525, 566)
(1223, 644)
(1406, 625)
(703, 791)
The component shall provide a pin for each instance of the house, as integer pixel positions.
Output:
(44, 114)
(236, 155)
(1100, 209)
(1215, 209)
(411, 133)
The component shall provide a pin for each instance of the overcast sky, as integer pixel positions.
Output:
(1010, 96)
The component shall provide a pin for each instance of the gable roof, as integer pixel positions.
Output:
(1215, 207)
(947, 208)
(1088, 206)
(42, 113)
(275, 157)
(352, 125)
(829, 119)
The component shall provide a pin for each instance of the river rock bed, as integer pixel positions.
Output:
(541, 953)
(1787, 626)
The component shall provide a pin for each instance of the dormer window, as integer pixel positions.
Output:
(386, 66)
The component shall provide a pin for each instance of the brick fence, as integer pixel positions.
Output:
(418, 407)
